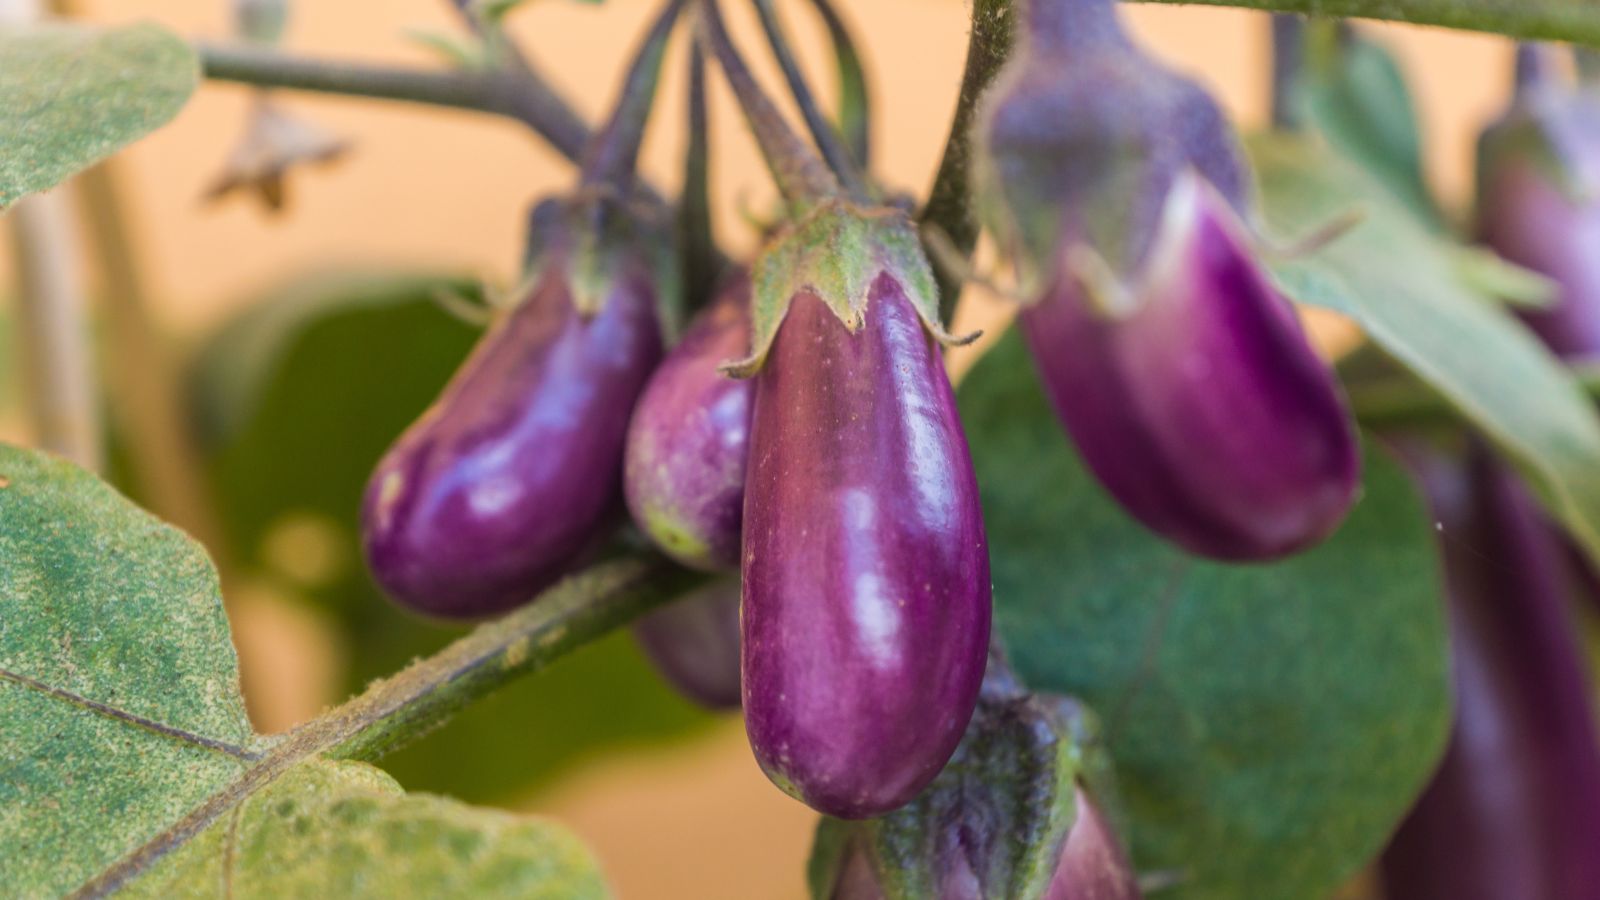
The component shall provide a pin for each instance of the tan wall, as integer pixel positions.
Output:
(448, 190)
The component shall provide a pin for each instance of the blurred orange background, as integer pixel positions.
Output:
(435, 190)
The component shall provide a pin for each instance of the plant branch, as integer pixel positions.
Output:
(405, 706)
(949, 207)
(1548, 20)
(843, 163)
(613, 152)
(63, 400)
(517, 94)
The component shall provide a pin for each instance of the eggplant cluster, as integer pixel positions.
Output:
(804, 434)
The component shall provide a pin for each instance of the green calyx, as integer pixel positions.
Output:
(836, 250)
(598, 239)
(1001, 809)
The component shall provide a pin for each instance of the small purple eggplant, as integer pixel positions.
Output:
(866, 569)
(1514, 810)
(1118, 189)
(512, 474)
(1539, 198)
(1012, 817)
(683, 473)
(694, 643)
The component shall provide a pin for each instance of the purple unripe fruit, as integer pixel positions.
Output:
(683, 472)
(1514, 809)
(866, 571)
(694, 643)
(1201, 407)
(1118, 189)
(1539, 199)
(515, 470)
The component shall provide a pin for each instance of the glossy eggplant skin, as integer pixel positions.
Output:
(683, 472)
(514, 472)
(1514, 809)
(1531, 221)
(694, 643)
(1203, 409)
(866, 570)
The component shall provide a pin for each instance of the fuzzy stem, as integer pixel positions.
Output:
(700, 261)
(500, 92)
(63, 400)
(949, 207)
(855, 102)
(614, 150)
(802, 177)
(827, 137)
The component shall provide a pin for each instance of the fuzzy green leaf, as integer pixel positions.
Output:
(75, 95)
(345, 829)
(1269, 724)
(127, 754)
(1405, 287)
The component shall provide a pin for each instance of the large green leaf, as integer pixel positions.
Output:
(300, 396)
(1269, 723)
(126, 751)
(74, 95)
(1404, 286)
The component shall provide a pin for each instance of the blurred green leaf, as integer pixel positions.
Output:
(1403, 285)
(1358, 98)
(75, 95)
(1269, 724)
(1548, 20)
(121, 723)
(299, 397)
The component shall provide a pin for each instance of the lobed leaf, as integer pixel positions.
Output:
(75, 95)
(126, 759)
(1270, 724)
(1405, 286)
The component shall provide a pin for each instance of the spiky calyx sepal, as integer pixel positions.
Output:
(835, 251)
(600, 238)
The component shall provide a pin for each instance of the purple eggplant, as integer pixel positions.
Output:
(513, 473)
(1539, 198)
(1514, 810)
(1182, 375)
(1014, 815)
(866, 571)
(683, 472)
(1202, 410)
(694, 643)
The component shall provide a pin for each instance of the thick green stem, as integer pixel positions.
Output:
(406, 706)
(1549, 20)
(949, 207)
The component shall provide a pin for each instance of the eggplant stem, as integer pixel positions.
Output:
(801, 175)
(844, 164)
(613, 152)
